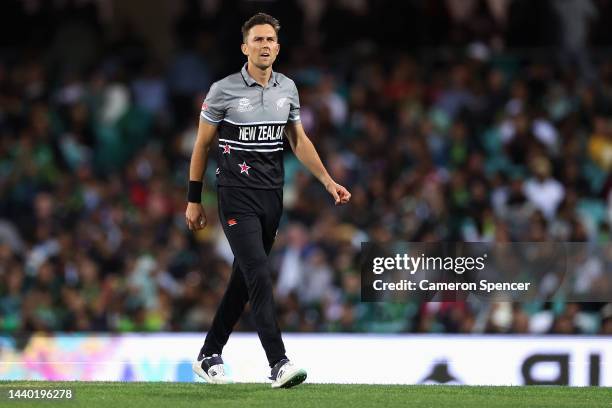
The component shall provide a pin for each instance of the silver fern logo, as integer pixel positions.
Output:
(280, 103)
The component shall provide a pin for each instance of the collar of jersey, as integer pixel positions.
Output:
(249, 79)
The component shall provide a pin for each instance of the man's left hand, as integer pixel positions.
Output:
(340, 193)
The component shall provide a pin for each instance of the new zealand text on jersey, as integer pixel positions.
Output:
(262, 132)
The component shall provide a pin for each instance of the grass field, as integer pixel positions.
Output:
(173, 395)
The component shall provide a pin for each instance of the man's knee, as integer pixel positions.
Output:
(254, 263)
(257, 274)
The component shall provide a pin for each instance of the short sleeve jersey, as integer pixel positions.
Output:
(251, 121)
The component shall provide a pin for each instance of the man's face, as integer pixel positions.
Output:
(261, 46)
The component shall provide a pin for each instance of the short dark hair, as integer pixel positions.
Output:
(258, 19)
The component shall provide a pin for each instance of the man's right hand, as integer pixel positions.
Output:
(195, 216)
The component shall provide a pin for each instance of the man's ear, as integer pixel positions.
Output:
(244, 49)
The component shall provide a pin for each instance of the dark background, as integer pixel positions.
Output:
(464, 120)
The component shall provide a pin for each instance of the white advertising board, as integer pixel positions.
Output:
(328, 358)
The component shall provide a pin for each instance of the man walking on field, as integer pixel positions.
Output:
(251, 111)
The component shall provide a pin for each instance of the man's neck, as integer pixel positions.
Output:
(261, 76)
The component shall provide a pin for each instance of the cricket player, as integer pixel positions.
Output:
(251, 111)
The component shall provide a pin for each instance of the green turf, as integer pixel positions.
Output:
(174, 395)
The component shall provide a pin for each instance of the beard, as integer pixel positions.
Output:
(259, 63)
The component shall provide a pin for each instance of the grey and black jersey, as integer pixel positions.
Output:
(251, 121)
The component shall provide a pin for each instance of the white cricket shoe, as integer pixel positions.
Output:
(286, 375)
(211, 370)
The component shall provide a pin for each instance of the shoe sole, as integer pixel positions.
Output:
(197, 368)
(294, 379)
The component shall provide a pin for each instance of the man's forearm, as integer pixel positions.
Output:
(199, 160)
(307, 154)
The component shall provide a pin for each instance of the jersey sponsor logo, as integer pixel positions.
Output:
(280, 103)
(244, 105)
(204, 106)
(232, 221)
(261, 133)
(244, 168)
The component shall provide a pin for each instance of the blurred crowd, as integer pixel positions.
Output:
(474, 143)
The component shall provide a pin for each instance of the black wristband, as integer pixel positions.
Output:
(194, 193)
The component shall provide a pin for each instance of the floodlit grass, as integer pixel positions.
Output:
(174, 395)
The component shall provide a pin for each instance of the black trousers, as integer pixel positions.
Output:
(250, 219)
